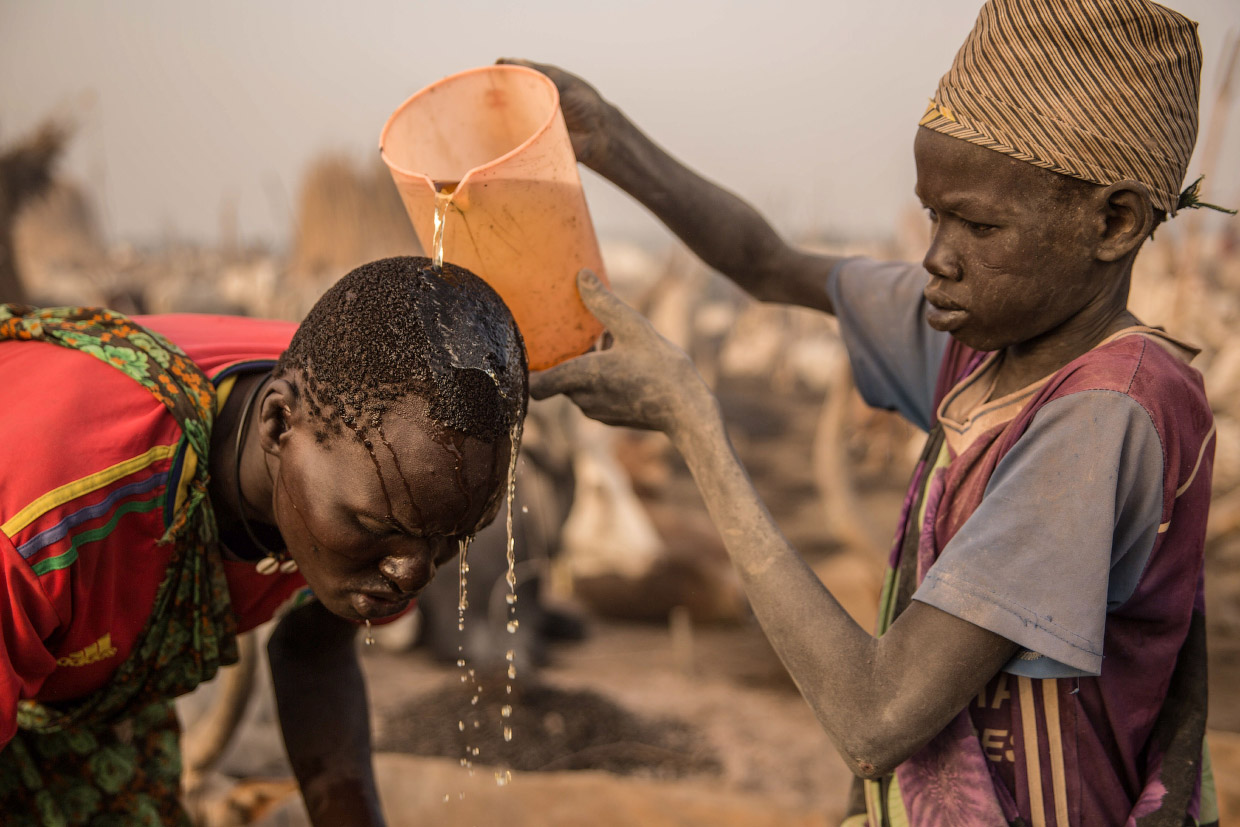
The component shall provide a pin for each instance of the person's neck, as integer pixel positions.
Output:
(255, 485)
(1025, 363)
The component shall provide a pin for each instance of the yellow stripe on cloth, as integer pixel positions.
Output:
(897, 816)
(221, 393)
(1179, 492)
(1033, 764)
(1059, 782)
(70, 491)
(1197, 465)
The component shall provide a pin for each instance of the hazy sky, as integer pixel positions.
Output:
(805, 107)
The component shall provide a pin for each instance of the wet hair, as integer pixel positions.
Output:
(399, 327)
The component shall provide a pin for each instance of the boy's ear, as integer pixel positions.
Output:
(1127, 221)
(275, 414)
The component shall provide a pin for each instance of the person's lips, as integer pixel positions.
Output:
(943, 314)
(379, 604)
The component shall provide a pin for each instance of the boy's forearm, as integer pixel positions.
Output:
(722, 229)
(878, 699)
(776, 578)
(321, 700)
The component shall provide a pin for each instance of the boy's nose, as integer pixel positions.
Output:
(940, 259)
(409, 573)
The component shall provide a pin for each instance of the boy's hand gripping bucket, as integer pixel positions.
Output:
(518, 217)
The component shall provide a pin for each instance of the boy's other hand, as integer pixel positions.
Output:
(585, 111)
(641, 381)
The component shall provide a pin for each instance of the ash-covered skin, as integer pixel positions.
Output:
(398, 326)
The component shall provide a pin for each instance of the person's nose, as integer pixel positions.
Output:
(408, 572)
(941, 258)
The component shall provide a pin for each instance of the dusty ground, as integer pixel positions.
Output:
(714, 735)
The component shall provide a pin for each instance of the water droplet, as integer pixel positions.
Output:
(475, 752)
(460, 662)
(477, 724)
(512, 674)
(511, 598)
(460, 725)
(506, 710)
(462, 602)
(525, 509)
(473, 701)
(503, 778)
(446, 798)
(370, 638)
(510, 654)
(512, 626)
(507, 733)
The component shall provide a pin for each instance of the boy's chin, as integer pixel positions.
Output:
(980, 340)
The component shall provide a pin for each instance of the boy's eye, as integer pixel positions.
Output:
(931, 214)
(377, 528)
(979, 229)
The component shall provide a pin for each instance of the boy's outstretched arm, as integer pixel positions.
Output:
(321, 700)
(879, 699)
(723, 230)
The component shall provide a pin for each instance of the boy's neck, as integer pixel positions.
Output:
(1025, 363)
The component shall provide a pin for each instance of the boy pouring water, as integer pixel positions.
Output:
(1040, 657)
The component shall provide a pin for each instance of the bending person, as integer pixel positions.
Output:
(1040, 657)
(175, 480)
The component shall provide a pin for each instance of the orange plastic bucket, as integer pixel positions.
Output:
(517, 216)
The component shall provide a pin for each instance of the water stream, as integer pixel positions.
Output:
(443, 197)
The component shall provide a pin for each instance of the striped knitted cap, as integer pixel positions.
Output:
(1101, 90)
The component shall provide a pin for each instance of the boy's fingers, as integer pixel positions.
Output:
(562, 378)
(604, 304)
(542, 385)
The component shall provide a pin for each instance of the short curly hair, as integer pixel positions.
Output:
(401, 327)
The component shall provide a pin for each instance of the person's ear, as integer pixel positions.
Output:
(1127, 219)
(275, 414)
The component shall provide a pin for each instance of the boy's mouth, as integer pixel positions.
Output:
(374, 606)
(943, 314)
(945, 321)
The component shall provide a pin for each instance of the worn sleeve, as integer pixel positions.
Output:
(894, 353)
(1062, 534)
(27, 618)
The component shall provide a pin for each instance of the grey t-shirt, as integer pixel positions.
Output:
(1069, 516)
